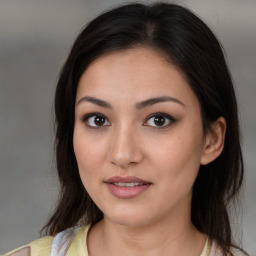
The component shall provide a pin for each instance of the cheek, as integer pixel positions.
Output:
(90, 159)
(89, 154)
(177, 159)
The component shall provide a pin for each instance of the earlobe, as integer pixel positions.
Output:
(214, 141)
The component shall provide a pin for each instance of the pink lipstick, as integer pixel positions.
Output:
(127, 187)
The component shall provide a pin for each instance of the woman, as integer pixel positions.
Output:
(147, 141)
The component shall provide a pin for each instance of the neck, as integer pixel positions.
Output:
(179, 237)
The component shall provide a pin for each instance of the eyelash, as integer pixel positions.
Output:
(85, 118)
(169, 118)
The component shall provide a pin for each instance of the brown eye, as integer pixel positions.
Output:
(95, 120)
(160, 120)
(99, 120)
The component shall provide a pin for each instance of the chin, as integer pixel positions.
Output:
(130, 218)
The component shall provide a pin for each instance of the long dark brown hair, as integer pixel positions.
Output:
(190, 45)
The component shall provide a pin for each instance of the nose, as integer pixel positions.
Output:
(125, 149)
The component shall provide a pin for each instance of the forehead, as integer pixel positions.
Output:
(136, 74)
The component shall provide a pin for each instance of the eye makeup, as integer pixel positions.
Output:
(158, 120)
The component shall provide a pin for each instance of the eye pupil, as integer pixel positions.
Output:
(159, 120)
(99, 120)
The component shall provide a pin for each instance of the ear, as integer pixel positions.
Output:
(214, 141)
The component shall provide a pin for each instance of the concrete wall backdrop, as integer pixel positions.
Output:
(35, 37)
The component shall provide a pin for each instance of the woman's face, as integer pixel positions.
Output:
(138, 137)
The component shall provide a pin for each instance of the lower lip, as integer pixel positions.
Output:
(126, 192)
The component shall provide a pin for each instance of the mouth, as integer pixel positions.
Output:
(127, 187)
(128, 184)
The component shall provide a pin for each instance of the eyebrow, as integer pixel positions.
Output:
(153, 101)
(96, 101)
(138, 106)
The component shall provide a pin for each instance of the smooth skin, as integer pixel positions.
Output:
(125, 139)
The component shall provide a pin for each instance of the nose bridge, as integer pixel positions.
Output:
(124, 148)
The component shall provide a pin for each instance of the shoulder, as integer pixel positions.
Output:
(68, 242)
(41, 246)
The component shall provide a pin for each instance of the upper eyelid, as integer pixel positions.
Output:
(85, 118)
(149, 116)
(160, 114)
(169, 117)
(91, 115)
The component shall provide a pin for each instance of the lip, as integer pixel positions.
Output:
(126, 192)
(116, 179)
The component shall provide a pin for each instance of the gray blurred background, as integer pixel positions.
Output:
(35, 37)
